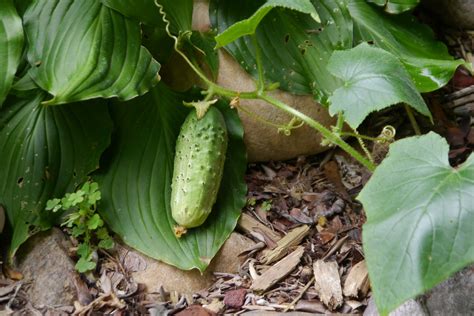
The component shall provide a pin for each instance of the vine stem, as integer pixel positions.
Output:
(258, 61)
(320, 128)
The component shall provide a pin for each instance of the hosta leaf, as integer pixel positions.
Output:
(396, 6)
(82, 50)
(46, 152)
(420, 215)
(136, 186)
(248, 26)
(178, 12)
(426, 59)
(295, 48)
(373, 80)
(11, 46)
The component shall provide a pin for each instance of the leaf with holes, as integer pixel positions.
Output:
(11, 45)
(295, 48)
(48, 151)
(81, 50)
(373, 80)
(420, 215)
(396, 6)
(136, 185)
(427, 60)
(248, 26)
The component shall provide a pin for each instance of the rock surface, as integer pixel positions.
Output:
(409, 308)
(48, 269)
(455, 13)
(263, 142)
(454, 296)
(154, 274)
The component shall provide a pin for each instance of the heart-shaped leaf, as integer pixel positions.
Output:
(420, 215)
(427, 60)
(81, 50)
(248, 26)
(373, 80)
(11, 45)
(396, 6)
(136, 186)
(46, 152)
(295, 48)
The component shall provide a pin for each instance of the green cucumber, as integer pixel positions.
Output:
(198, 167)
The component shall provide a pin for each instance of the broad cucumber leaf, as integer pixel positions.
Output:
(81, 50)
(46, 152)
(178, 12)
(426, 59)
(11, 46)
(248, 26)
(373, 80)
(396, 6)
(136, 186)
(420, 215)
(295, 48)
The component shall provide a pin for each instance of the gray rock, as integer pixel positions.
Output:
(455, 13)
(154, 274)
(409, 308)
(454, 296)
(48, 270)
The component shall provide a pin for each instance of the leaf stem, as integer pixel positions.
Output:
(258, 60)
(412, 119)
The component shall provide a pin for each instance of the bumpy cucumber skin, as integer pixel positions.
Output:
(198, 167)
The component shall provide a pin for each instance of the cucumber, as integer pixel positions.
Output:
(198, 167)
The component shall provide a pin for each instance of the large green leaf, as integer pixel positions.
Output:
(11, 45)
(295, 47)
(81, 50)
(136, 186)
(420, 215)
(373, 79)
(426, 59)
(44, 153)
(396, 6)
(248, 26)
(178, 12)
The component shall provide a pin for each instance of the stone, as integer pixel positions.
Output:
(263, 142)
(155, 274)
(235, 298)
(47, 268)
(454, 13)
(454, 296)
(409, 308)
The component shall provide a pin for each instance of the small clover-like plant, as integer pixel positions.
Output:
(84, 223)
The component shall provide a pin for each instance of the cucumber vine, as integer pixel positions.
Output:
(261, 93)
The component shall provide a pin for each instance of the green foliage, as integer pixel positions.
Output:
(48, 151)
(11, 43)
(84, 223)
(373, 79)
(426, 59)
(113, 65)
(396, 6)
(295, 46)
(420, 213)
(249, 26)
